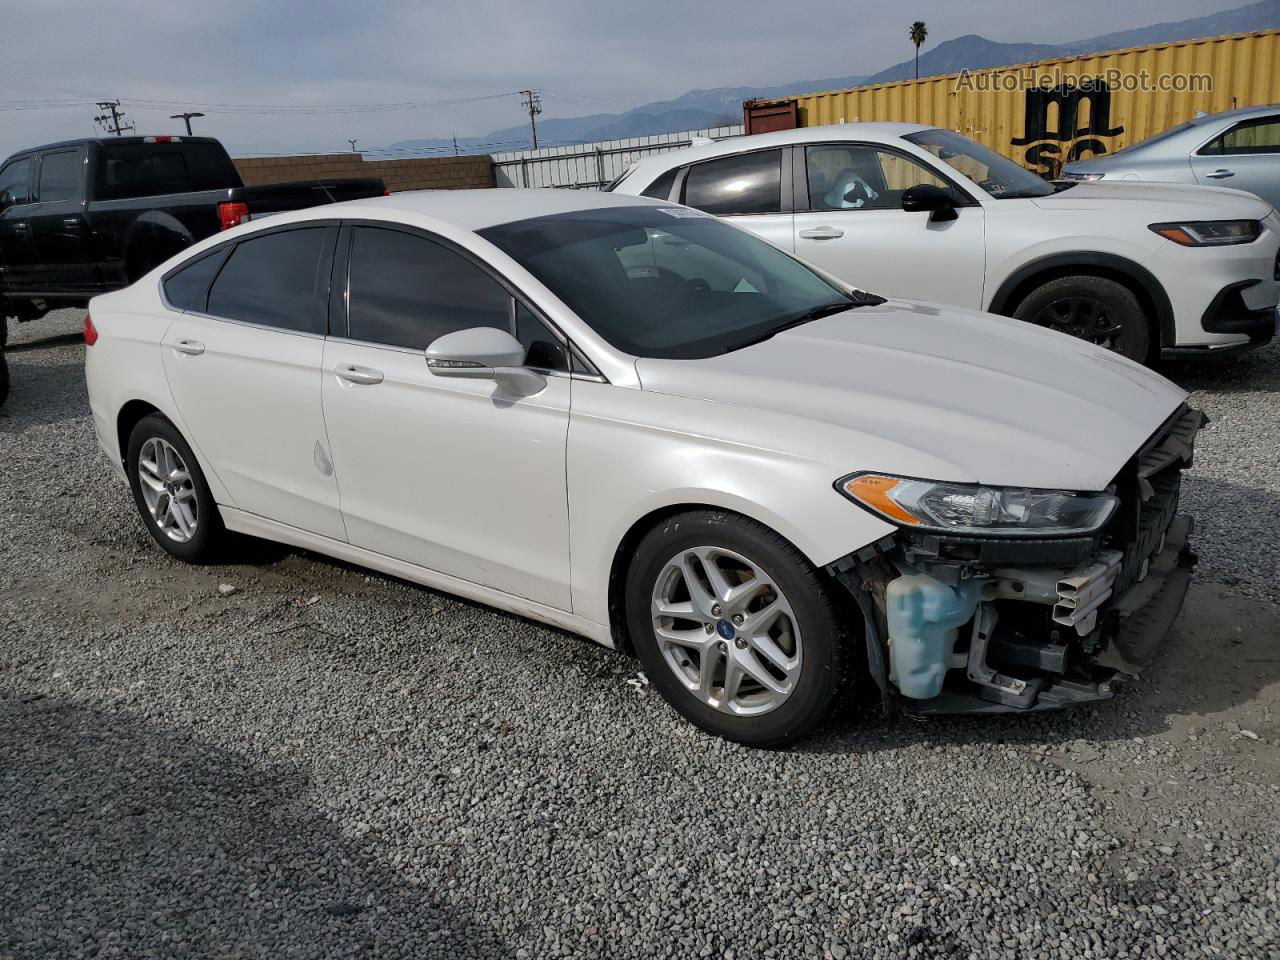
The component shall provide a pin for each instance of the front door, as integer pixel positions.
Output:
(853, 225)
(453, 475)
(17, 253)
(245, 375)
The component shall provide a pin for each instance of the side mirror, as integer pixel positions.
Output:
(484, 353)
(940, 205)
(6, 201)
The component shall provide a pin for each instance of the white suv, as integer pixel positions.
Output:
(908, 210)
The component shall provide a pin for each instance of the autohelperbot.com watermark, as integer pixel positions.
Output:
(1111, 79)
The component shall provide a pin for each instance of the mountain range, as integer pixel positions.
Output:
(699, 109)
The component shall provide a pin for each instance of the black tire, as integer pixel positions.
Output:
(1096, 309)
(4, 375)
(209, 537)
(824, 645)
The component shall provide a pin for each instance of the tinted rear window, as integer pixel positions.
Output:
(745, 183)
(272, 280)
(60, 176)
(188, 288)
(147, 169)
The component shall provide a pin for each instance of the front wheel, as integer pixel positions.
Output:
(171, 492)
(1096, 309)
(735, 628)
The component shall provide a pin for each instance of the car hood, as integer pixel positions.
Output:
(987, 399)
(1166, 201)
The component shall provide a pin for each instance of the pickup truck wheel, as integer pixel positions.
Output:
(1094, 309)
(735, 628)
(171, 493)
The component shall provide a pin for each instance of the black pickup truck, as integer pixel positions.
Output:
(83, 217)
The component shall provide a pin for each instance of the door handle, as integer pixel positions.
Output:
(353, 374)
(192, 348)
(821, 233)
(1220, 174)
(73, 223)
(21, 225)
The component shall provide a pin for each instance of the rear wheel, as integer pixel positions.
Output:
(735, 628)
(1096, 309)
(171, 493)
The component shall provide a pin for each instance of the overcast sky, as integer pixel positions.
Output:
(587, 56)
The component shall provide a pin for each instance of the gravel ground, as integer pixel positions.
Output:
(325, 763)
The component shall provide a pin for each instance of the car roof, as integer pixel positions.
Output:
(878, 132)
(1243, 113)
(467, 209)
(83, 141)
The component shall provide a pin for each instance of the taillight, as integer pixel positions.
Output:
(232, 214)
(90, 331)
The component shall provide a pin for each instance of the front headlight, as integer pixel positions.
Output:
(978, 510)
(1209, 233)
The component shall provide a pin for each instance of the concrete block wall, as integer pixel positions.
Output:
(417, 173)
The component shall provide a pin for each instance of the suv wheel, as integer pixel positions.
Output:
(1094, 309)
(171, 493)
(735, 628)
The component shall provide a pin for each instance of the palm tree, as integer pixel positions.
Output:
(917, 34)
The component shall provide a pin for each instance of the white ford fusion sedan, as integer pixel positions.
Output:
(631, 420)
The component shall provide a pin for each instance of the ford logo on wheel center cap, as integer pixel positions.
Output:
(725, 629)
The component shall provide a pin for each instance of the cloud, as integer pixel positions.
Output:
(588, 57)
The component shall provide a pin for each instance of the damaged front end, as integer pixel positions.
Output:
(962, 623)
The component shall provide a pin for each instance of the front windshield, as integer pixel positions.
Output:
(999, 176)
(668, 281)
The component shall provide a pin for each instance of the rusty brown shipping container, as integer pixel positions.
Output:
(1050, 112)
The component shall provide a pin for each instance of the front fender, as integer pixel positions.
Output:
(621, 471)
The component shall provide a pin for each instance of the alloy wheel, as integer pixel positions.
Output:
(1081, 317)
(726, 631)
(168, 490)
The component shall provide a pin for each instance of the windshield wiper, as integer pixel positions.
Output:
(814, 313)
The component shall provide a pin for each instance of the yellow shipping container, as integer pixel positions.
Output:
(1050, 112)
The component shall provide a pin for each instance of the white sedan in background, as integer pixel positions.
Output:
(909, 210)
(636, 422)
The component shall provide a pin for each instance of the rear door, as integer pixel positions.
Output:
(1245, 157)
(64, 248)
(243, 363)
(17, 252)
(453, 475)
(849, 220)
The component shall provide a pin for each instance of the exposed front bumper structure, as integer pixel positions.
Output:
(1005, 624)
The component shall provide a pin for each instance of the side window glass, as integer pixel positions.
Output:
(846, 176)
(15, 180)
(1251, 136)
(188, 287)
(745, 183)
(543, 348)
(660, 189)
(61, 175)
(406, 290)
(271, 280)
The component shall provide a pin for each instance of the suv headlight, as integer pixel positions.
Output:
(1209, 233)
(978, 510)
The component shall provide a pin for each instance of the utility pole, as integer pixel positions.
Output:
(187, 117)
(533, 103)
(353, 144)
(113, 122)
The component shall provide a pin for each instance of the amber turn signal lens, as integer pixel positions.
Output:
(873, 490)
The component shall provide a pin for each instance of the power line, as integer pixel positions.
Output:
(533, 102)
